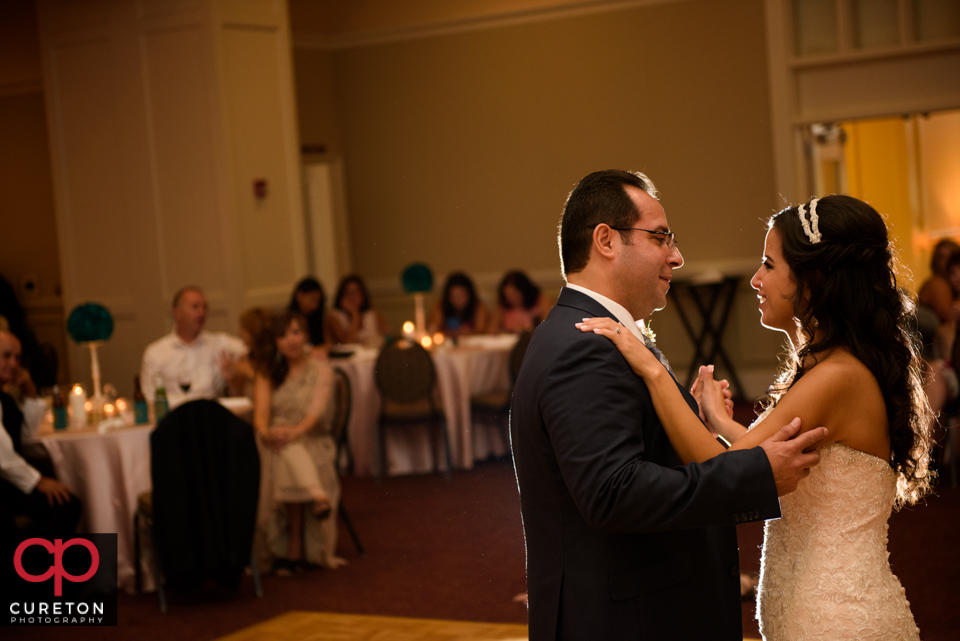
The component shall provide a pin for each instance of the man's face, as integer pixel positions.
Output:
(645, 267)
(190, 314)
(9, 357)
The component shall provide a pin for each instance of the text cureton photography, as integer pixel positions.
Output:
(61, 582)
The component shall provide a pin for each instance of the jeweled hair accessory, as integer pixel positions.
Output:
(811, 228)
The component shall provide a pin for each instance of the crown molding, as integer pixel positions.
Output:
(358, 39)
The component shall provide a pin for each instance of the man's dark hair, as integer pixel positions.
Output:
(597, 198)
(184, 290)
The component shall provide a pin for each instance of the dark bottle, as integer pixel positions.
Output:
(161, 407)
(141, 415)
(59, 410)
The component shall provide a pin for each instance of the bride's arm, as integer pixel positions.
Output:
(692, 442)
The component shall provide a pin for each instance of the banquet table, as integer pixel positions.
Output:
(477, 365)
(107, 471)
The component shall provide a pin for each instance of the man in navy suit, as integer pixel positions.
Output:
(623, 540)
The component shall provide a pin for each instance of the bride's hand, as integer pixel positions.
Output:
(641, 360)
(695, 391)
(713, 396)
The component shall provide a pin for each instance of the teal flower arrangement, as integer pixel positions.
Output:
(417, 278)
(89, 323)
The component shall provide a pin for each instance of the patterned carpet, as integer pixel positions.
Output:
(454, 550)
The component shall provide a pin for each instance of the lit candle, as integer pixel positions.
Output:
(408, 327)
(88, 412)
(109, 410)
(438, 338)
(427, 342)
(77, 401)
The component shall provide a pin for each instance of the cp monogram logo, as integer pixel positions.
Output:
(56, 570)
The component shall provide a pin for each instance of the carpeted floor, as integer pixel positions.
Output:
(454, 550)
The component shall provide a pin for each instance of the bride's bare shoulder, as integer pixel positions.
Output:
(851, 400)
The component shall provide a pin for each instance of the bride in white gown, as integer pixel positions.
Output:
(828, 282)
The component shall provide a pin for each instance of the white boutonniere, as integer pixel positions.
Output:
(646, 330)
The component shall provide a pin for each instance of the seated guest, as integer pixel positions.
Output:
(459, 311)
(351, 319)
(519, 305)
(189, 360)
(936, 292)
(255, 332)
(309, 300)
(53, 510)
(937, 313)
(42, 372)
(292, 410)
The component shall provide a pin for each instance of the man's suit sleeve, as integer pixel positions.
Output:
(593, 409)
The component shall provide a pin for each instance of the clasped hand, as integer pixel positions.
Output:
(279, 436)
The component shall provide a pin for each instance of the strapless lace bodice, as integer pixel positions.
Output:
(825, 571)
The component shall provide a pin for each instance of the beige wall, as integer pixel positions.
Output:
(161, 116)
(460, 149)
(28, 242)
(29, 248)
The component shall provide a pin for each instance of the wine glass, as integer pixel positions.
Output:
(184, 380)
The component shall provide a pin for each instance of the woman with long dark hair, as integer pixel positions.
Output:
(519, 305)
(293, 404)
(828, 281)
(352, 319)
(459, 310)
(309, 300)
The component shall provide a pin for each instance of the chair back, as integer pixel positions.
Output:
(342, 398)
(405, 372)
(205, 470)
(516, 355)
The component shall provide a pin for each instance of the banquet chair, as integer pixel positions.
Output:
(496, 404)
(201, 513)
(338, 430)
(407, 380)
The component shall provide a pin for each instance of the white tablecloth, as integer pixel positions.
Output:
(107, 472)
(477, 366)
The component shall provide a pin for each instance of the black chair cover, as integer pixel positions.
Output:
(206, 479)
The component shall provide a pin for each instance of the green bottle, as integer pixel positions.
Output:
(59, 410)
(160, 405)
(140, 413)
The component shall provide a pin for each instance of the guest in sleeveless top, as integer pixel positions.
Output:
(937, 293)
(519, 305)
(828, 281)
(293, 404)
(309, 300)
(459, 311)
(352, 320)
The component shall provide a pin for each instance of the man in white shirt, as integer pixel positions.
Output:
(189, 360)
(23, 490)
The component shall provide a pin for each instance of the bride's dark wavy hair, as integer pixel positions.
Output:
(854, 302)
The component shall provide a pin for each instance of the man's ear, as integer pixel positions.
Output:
(603, 240)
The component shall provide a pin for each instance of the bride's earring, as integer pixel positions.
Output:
(814, 322)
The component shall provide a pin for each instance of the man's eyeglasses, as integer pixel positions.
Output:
(669, 238)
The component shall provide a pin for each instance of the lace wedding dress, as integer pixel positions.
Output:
(825, 572)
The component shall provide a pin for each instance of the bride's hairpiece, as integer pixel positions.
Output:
(811, 228)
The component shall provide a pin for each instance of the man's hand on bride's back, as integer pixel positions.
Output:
(789, 456)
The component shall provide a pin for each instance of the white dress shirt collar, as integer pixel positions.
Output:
(615, 308)
(179, 342)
